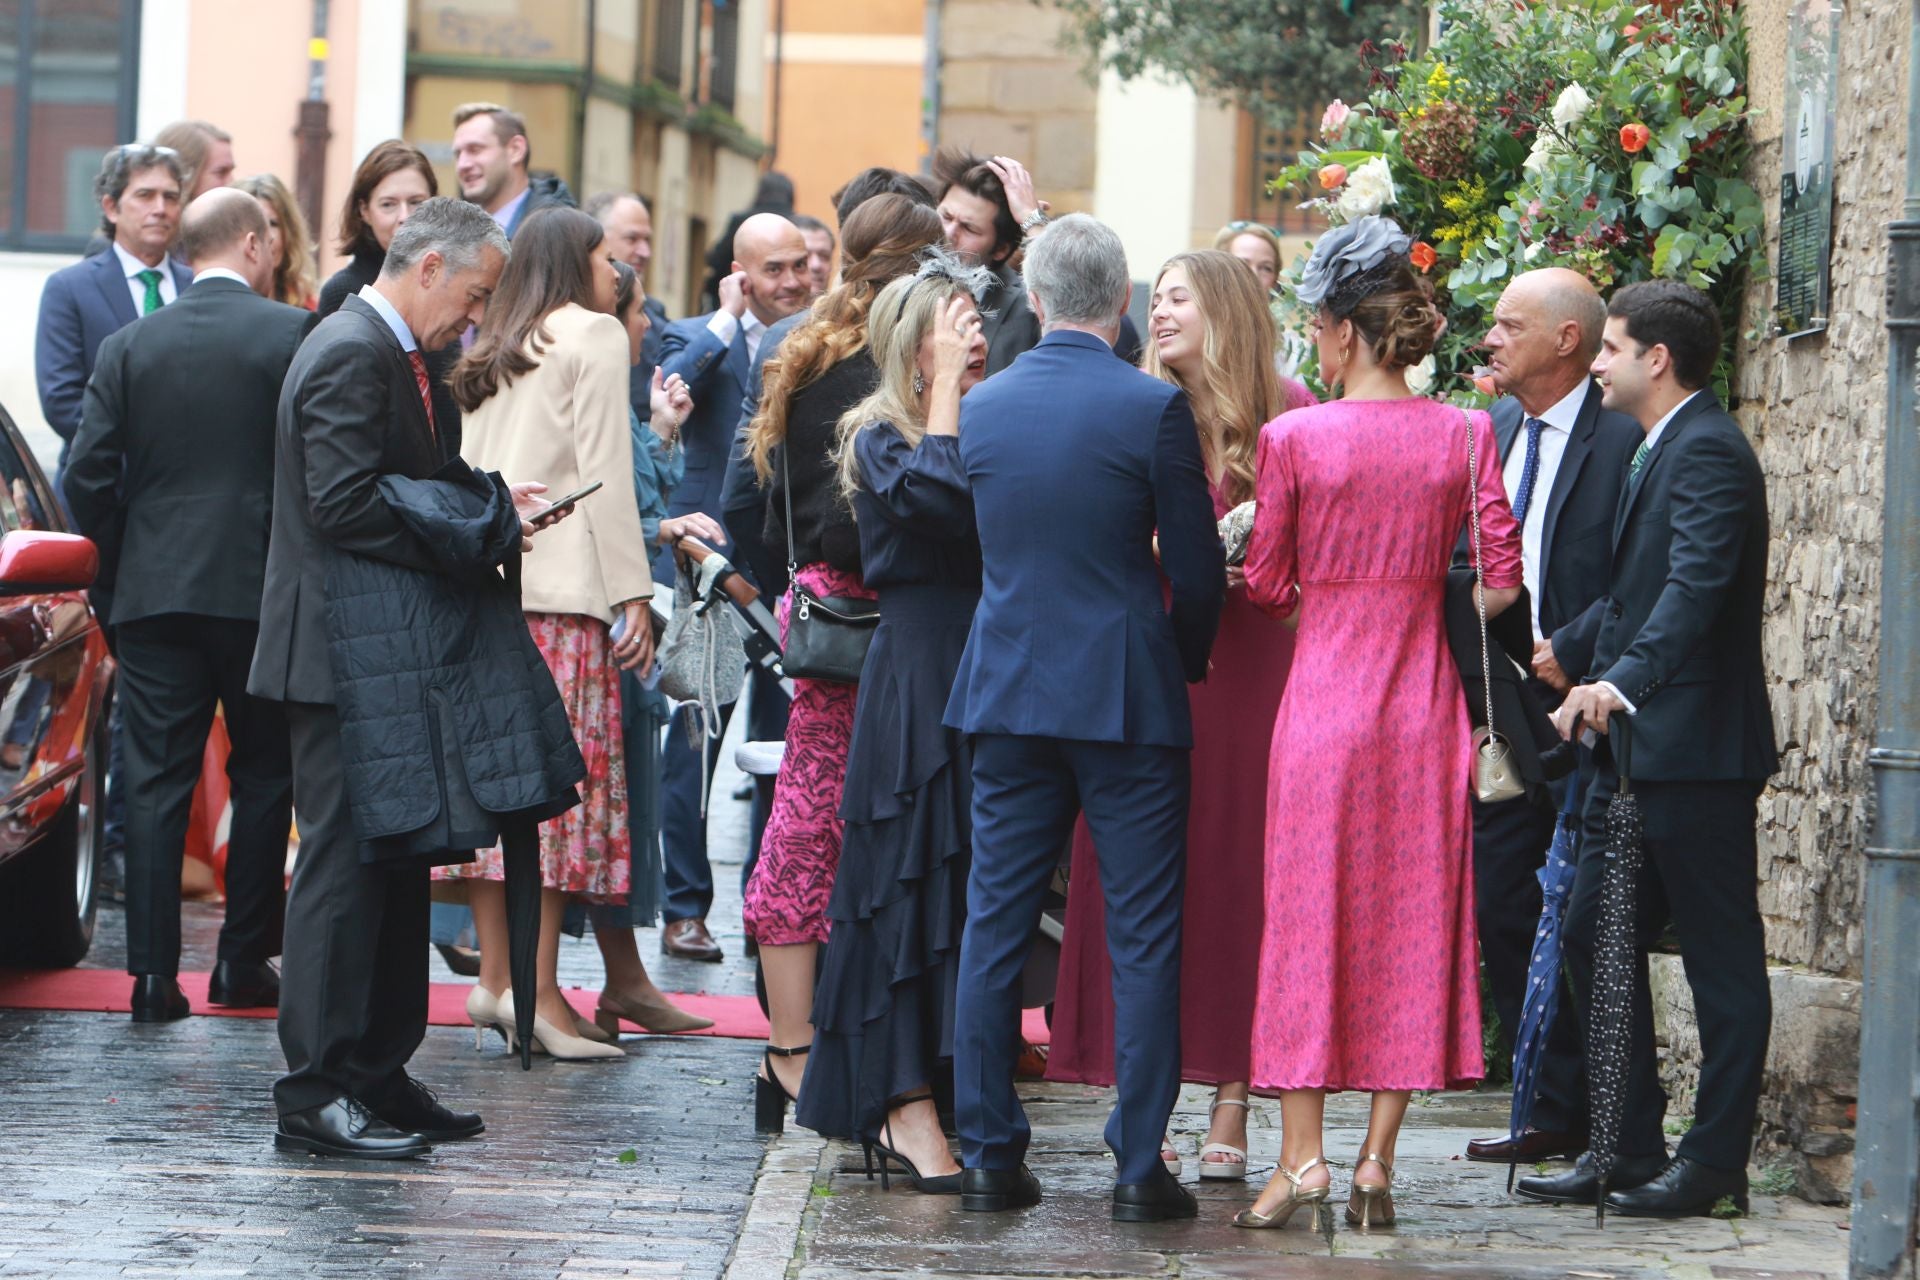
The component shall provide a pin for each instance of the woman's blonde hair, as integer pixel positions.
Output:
(1237, 371)
(1258, 230)
(295, 275)
(898, 322)
(880, 241)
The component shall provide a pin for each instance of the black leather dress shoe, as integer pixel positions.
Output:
(1534, 1144)
(1684, 1189)
(345, 1128)
(1153, 1201)
(236, 984)
(1581, 1184)
(417, 1109)
(992, 1190)
(158, 998)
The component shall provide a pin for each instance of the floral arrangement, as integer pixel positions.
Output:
(1600, 135)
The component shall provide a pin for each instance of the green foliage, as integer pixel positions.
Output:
(1599, 135)
(1279, 59)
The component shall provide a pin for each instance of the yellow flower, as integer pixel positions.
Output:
(1438, 77)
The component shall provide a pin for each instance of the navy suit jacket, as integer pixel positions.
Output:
(1679, 629)
(80, 307)
(1075, 460)
(1576, 542)
(716, 377)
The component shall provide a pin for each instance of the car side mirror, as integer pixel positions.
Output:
(32, 561)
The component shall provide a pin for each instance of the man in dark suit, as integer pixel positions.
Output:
(713, 353)
(1072, 685)
(172, 475)
(1677, 658)
(138, 187)
(629, 227)
(1565, 460)
(355, 407)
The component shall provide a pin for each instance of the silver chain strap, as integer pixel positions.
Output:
(1479, 569)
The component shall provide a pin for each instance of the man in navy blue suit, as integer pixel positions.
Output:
(82, 305)
(1072, 685)
(714, 354)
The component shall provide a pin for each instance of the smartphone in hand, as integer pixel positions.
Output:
(567, 500)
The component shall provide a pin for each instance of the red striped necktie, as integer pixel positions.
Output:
(426, 389)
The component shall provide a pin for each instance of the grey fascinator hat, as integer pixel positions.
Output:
(938, 263)
(1352, 261)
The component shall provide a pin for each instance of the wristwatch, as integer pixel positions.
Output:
(1038, 218)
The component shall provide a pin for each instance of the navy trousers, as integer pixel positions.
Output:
(683, 823)
(1027, 792)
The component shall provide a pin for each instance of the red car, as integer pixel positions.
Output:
(56, 690)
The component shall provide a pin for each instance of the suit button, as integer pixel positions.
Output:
(1615, 611)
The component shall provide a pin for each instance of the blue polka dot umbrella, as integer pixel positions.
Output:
(1610, 1007)
(1538, 1009)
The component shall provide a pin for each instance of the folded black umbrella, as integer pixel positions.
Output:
(1615, 961)
(520, 863)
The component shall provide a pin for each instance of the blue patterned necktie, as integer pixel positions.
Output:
(1529, 471)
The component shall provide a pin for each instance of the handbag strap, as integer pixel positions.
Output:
(1479, 568)
(786, 493)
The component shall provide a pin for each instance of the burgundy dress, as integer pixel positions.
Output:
(1233, 711)
(1368, 977)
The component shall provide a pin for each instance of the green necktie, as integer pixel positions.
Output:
(1639, 460)
(151, 279)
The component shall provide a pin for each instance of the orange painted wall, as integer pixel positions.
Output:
(828, 132)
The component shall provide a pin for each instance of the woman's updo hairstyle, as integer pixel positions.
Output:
(1361, 272)
(1398, 319)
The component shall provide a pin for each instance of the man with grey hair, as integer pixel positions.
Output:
(1072, 685)
(356, 408)
(1565, 460)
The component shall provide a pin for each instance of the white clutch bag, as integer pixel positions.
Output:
(1235, 528)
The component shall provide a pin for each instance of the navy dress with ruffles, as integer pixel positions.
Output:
(883, 1005)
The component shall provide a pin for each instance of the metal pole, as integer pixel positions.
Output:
(312, 131)
(1886, 1167)
(930, 89)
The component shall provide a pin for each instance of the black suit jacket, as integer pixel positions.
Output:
(1679, 630)
(1577, 534)
(171, 473)
(349, 413)
(362, 271)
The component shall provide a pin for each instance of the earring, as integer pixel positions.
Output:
(919, 383)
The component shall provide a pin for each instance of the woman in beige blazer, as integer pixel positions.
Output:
(543, 391)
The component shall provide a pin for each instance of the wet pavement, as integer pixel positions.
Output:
(145, 1151)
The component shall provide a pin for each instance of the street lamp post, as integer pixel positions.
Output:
(312, 131)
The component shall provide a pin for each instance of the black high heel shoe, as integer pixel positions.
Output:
(770, 1097)
(947, 1184)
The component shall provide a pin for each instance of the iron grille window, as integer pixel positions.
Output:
(726, 52)
(67, 72)
(669, 34)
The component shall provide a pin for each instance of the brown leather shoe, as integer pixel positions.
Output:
(1529, 1147)
(689, 940)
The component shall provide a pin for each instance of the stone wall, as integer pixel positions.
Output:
(1816, 410)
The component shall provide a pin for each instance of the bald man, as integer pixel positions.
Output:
(172, 475)
(714, 353)
(1565, 460)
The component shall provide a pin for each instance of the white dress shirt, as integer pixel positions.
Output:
(1553, 447)
(132, 267)
(724, 325)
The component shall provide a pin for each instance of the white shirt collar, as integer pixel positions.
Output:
(220, 273)
(751, 324)
(131, 266)
(375, 299)
(1566, 411)
(1653, 436)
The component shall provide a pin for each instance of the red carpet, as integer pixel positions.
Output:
(107, 991)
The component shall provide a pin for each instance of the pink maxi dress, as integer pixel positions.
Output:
(1368, 975)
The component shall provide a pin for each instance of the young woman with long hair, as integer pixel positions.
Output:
(288, 241)
(883, 1008)
(1209, 333)
(823, 369)
(544, 389)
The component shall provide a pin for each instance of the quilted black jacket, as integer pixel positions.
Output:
(438, 669)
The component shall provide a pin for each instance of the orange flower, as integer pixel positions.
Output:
(1484, 384)
(1423, 255)
(1633, 137)
(1332, 176)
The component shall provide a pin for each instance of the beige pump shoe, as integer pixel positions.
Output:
(550, 1039)
(1315, 1198)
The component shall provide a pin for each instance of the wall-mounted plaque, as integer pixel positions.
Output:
(1806, 169)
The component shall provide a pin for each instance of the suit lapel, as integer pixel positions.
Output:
(738, 361)
(1507, 416)
(1691, 410)
(1572, 461)
(113, 287)
(401, 379)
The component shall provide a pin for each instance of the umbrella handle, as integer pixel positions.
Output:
(1620, 734)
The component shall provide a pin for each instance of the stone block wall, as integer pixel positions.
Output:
(1816, 409)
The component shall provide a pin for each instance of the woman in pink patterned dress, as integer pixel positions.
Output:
(1209, 333)
(1368, 978)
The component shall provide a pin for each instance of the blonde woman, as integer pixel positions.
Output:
(289, 242)
(1210, 334)
(883, 1007)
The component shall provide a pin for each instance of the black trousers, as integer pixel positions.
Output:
(353, 982)
(1701, 875)
(1510, 842)
(174, 669)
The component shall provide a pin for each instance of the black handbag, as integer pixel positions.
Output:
(827, 636)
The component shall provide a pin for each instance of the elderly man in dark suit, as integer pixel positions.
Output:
(714, 353)
(1565, 459)
(1677, 661)
(1072, 683)
(356, 407)
(172, 475)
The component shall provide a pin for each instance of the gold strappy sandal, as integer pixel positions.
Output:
(1371, 1204)
(1315, 1198)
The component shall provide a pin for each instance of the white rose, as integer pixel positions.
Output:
(1534, 250)
(1542, 153)
(1572, 104)
(1420, 376)
(1368, 190)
